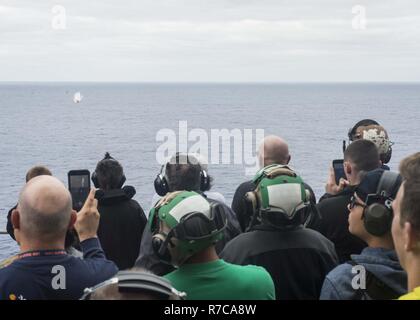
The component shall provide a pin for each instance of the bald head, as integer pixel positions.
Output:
(273, 150)
(44, 208)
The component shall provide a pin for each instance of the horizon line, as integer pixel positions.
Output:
(204, 82)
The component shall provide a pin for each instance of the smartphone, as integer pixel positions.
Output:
(79, 186)
(338, 166)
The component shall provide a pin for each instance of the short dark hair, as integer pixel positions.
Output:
(183, 175)
(37, 171)
(410, 204)
(363, 154)
(109, 173)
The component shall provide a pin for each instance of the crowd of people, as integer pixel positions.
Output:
(359, 241)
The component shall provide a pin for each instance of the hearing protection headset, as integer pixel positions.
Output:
(194, 225)
(138, 282)
(378, 214)
(160, 183)
(162, 186)
(94, 177)
(280, 193)
(385, 157)
(365, 122)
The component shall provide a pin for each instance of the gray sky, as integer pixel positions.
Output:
(210, 40)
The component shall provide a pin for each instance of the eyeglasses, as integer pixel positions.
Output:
(353, 203)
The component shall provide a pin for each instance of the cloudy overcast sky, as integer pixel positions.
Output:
(210, 41)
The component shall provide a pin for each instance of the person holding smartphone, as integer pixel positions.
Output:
(360, 156)
(43, 270)
(71, 237)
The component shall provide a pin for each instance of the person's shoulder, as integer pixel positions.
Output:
(338, 284)
(257, 278)
(245, 186)
(341, 273)
(128, 208)
(242, 240)
(7, 262)
(171, 276)
(10, 279)
(15, 273)
(334, 200)
(4, 270)
(315, 239)
(314, 236)
(239, 248)
(255, 270)
(251, 272)
(88, 270)
(135, 204)
(334, 207)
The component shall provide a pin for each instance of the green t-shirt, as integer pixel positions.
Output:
(219, 280)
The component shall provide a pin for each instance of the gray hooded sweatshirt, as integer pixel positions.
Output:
(382, 263)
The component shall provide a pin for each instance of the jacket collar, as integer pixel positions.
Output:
(110, 197)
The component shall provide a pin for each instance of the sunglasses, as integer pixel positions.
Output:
(354, 203)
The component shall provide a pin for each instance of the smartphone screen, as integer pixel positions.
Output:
(79, 186)
(338, 166)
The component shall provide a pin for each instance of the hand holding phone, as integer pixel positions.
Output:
(87, 222)
(337, 178)
(79, 186)
(338, 166)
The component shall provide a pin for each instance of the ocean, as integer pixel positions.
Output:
(40, 124)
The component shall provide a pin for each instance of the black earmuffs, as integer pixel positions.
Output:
(378, 214)
(162, 186)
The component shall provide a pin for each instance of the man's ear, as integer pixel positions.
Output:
(73, 219)
(15, 218)
(347, 168)
(288, 160)
(260, 160)
(410, 238)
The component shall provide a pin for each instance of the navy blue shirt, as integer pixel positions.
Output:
(53, 274)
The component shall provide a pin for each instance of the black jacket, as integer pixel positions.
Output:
(121, 226)
(147, 258)
(243, 209)
(334, 224)
(297, 259)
